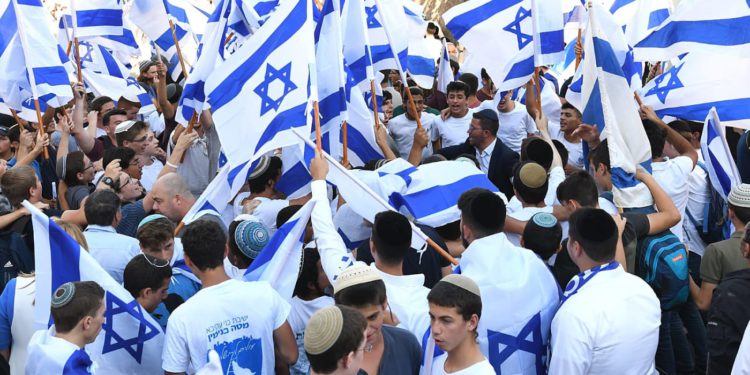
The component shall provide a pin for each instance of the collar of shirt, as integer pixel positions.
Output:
(408, 281)
(484, 156)
(488, 150)
(100, 228)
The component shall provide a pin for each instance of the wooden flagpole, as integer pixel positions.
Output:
(345, 151)
(40, 127)
(179, 52)
(580, 46)
(374, 104)
(538, 88)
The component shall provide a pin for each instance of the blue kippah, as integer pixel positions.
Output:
(251, 237)
(149, 219)
(544, 220)
(63, 295)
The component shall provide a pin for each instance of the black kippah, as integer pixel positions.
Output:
(488, 210)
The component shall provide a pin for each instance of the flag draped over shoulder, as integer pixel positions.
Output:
(609, 105)
(722, 171)
(130, 340)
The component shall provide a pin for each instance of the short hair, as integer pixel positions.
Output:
(458, 86)
(286, 213)
(596, 232)
(308, 272)
(486, 124)
(391, 235)
(351, 336)
(16, 183)
(581, 187)
(562, 150)
(387, 95)
(371, 293)
(73, 165)
(445, 294)
(258, 184)
(656, 137)
(544, 241)
(99, 102)
(529, 195)
(204, 242)
(537, 150)
(125, 154)
(86, 301)
(434, 158)
(482, 211)
(600, 155)
(101, 207)
(112, 112)
(741, 213)
(155, 233)
(130, 134)
(567, 105)
(472, 81)
(145, 271)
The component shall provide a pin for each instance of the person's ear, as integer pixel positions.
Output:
(86, 322)
(473, 322)
(745, 249)
(347, 361)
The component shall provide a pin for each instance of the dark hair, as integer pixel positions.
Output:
(155, 233)
(308, 273)
(112, 112)
(528, 194)
(486, 124)
(145, 272)
(351, 336)
(234, 248)
(101, 207)
(86, 301)
(484, 74)
(581, 187)
(458, 86)
(99, 102)
(537, 150)
(286, 213)
(14, 133)
(567, 105)
(541, 240)
(125, 154)
(454, 66)
(472, 81)
(74, 164)
(600, 155)
(387, 95)
(445, 294)
(130, 134)
(565, 85)
(562, 150)
(16, 183)
(434, 158)
(596, 232)
(391, 235)
(656, 137)
(204, 242)
(371, 293)
(742, 213)
(258, 184)
(414, 90)
(482, 211)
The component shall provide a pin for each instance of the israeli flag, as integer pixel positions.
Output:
(356, 43)
(192, 15)
(360, 125)
(622, 10)
(681, 91)
(699, 25)
(214, 200)
(279, 261)
(123, 46)
(295, 177)
(211, 56)
(383, 19)
(445, 73)
(247, 16)
(648, 16)
(32, 65)
(96, 17)
(609, 105)
(420, 64)
(722, 169)
(261, 91)
(547, 19)
(130, 341)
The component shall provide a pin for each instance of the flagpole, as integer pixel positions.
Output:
(637, 99)
(67, 36)
(316, 110)
(75, 39)
(579, 47)
(374, 104)
(537, 87)
(179, 52)
(179, 227)
(229, 37)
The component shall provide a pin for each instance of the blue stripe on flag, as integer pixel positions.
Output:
(235, 172)
(286, 120)
(731, 110)
(231, 87)
(332, 105)
(176, 12)
(270, 249)
(359, 145)
(606, 58)
(619, 4)
(65, 257)
(657, 17)
(381, 52)
(438, 198)
(721, 174)
(552, 41)
(52, 75)
(622, 179)
(722, 32)
(166, 40)
(265, 7)
(113, 68)
(349, 243)
(9, 29)
(593, 113)
(294, 179)
(99, 17)
(420, 65)
(521, 69)
(34, 3)
(462, 23)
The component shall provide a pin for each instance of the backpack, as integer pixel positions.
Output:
(716, 224)
(15, 255)
(661, 261)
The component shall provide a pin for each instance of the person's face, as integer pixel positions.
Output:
(35, 195)
(151, 72)
(135, 168)
(152, 298)
(94, 324)
(569, 120)
(88, 171)
(356, 358)
(374, 315)
(164, 252)
(504, 105)
(130, 188)
(452, 50)
(140, 142)
(449, 328)
(130, 110)
(108, 106)
(388, 108)
(601, 176)
(419, 103)
(5, 145)
(457, 103)
(165, 204)
(477, 136)
(114, 121)
(152, 144)
(393, 76)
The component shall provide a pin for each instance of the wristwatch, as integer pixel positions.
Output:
(108, 181)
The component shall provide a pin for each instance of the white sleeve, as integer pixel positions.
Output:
(156, 122)
(530, 125)
(280, 307)
(742, 361)
(685, 164)
(333, 254)
(175, 355)
(556, 177)
(571, 348)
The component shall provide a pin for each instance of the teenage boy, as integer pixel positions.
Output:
(335, 341)
(147, 279)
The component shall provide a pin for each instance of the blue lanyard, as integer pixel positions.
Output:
(577, 282)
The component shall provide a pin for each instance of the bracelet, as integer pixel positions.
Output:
(172, 165)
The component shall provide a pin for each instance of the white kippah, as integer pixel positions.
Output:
(740, 196)
(323, 329)
(462, 282)
(355, 275)
(124, 126)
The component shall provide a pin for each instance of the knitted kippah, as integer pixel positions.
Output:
(462, 282)
(355, 275)
(63, 295)
(544, 220)
(150, 218)
(532, 175)
(251, 237)
(263, 163)
(323, 329)
(740, 196)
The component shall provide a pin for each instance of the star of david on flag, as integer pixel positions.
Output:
(529, 340)
(272, 74)
(661, 91)
(372, 22)
(130, 341)
(515, 27)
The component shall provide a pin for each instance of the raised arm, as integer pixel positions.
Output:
(667, 215)
(679, 142)
(84, 139)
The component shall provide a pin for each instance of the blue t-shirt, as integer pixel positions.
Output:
(7, 303)
(180, 289)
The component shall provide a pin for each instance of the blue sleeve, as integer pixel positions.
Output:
(132, 214)
(6, 313)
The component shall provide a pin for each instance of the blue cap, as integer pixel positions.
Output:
(544, 220)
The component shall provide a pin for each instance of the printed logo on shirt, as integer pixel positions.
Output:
(239, 355)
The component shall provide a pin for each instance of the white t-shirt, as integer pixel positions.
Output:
(575, 151)
(453, 130)
(479, 368)
(407, 298)
(610, 326)
(266, 212)
(150, 174)
(524, 214)
(673, 175)
(402, 131)
(298, 317)
(514, 125)
(235, 318)
(698, 197)
(742, 360)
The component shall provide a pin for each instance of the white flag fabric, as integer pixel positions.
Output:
(96, 17)
(609, 105)
(648, 16)
(719, 161)
(445, 73)
(130, 341)
(214, 200)
(191, 15)
(547, 18)
(356, 43)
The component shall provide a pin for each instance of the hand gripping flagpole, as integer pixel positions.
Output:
(32, 78)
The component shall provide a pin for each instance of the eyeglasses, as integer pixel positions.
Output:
(142, 139)
(91, 165)
(4, 130)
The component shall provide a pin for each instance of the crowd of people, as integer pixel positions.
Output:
(550, 276)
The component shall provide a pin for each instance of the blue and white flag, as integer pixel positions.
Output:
(356, 43)
(722, 169)
(279, 261)
(547, 18)
(384, 19)
(214, 200)
(32, 65)
(130, 341)
(194, 95)
(96, 17)
(445, 73)
(702, 26)
(609, 105)
(295, 177)
(262, 91)
(681, 91)
(420, 64)
(648, 16)
(191, 15)
(360, 126)
(622, 10)
(247, 16)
